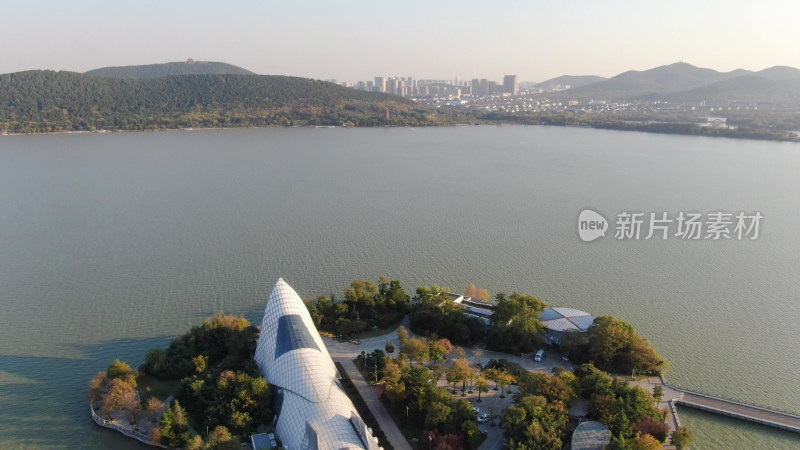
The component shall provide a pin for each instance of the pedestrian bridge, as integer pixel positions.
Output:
(730, 408)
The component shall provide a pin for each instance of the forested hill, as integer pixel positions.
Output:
(189, 67)
(47, 101)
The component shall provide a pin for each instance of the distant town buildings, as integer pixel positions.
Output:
(514, 96)
(510, 84)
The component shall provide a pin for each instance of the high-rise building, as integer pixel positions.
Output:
(312, 409)
(393, 86)
(510, 85)
(380, 84)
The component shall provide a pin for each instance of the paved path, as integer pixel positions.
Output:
(393, 434)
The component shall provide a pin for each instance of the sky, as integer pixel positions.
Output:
(358, 40)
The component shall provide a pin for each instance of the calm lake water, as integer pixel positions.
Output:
(111, 244)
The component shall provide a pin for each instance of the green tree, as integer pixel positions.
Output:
(402, 334)
(415, 349)
(437, 414)
(658, 393)
(220, 437)
(515, 325)
(482, 385)
(472, 434)
(121, 370)
(682, 438)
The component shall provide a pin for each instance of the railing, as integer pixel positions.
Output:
(731, 411)
(674, 408)
(138, 435)
(731, 400)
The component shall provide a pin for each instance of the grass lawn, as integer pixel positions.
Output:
(160, 389)
(376, 332)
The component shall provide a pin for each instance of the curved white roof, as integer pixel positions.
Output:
(313, 411)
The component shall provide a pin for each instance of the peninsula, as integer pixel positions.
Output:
(225, 381)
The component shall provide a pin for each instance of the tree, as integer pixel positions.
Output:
(461, 372)
(453, 376)
(657, 429)
(437, 414)
(472, 291)
(402, 334)
(97, 386)
(131, 404)
(120, 369)
(614, 345)
(218, 436)
(415, 349)
(156, 435)
(482, 385)
(644, 442)
(554, 389)
(114, 396)
(471, 432)
(389, 348)
(658, 393)
(194, 443)
(153, 408)
(493, 375)
(515, 324)
(682, 438)
(439, 348)
(506, 380)
(240, 420)
(174, 425)
(477, 353)
(361, 292)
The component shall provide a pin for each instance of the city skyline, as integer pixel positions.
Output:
(358, 40)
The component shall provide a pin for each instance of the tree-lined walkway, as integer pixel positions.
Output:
(393, 434)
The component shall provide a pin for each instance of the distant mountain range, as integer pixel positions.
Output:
(685, 82)
(188, 67)
(573, 81)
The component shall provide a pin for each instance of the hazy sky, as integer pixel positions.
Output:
(357, 40)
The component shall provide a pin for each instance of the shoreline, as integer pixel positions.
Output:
(452, 124)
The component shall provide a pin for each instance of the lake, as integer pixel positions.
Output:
(110, 244)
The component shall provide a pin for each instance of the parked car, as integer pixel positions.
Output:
(483, 418)
(539, 355)
(476, 409)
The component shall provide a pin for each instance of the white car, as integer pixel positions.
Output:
(483, 418)
(476, 409)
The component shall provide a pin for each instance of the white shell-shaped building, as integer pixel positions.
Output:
(311, 408)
